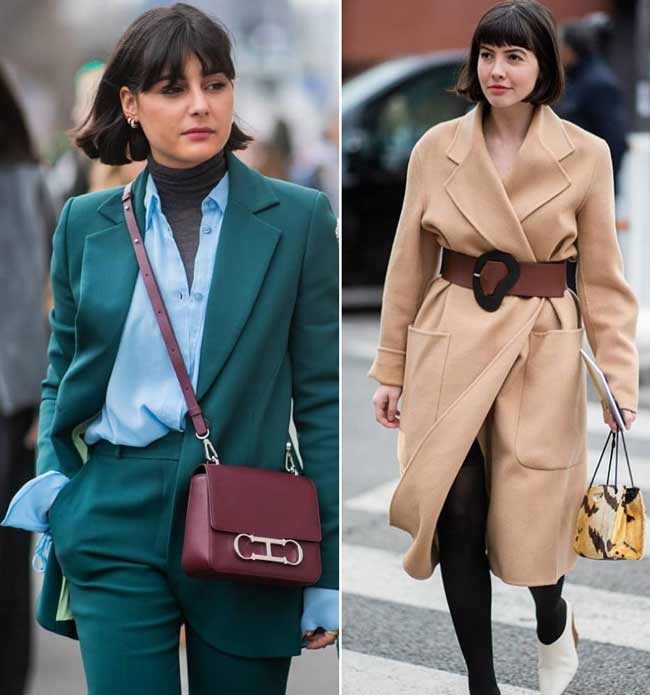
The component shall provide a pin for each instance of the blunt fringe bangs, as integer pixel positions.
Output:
(524, 23)
(155, 47)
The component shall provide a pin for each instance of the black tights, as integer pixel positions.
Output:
(466, 577)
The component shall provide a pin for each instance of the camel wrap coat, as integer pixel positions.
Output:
(514, 377)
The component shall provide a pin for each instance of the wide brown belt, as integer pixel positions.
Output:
(496, 273)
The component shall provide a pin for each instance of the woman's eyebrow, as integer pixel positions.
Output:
(171, 78)
(506, 50)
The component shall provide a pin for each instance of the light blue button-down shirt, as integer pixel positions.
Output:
(140, 410)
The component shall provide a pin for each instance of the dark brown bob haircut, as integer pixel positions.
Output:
(156, 46)
(524, 23)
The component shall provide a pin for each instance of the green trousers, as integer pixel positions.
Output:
(110, 525)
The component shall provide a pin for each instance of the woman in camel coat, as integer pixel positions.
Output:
(509, 175)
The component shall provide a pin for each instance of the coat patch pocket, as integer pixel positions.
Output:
(551, 421)
(426, 357)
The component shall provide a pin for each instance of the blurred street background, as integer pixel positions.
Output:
(398, 59)
(287, 59)
(286, 93)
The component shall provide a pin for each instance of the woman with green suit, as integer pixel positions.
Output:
(248, 270)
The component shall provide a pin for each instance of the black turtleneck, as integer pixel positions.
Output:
(181, 193)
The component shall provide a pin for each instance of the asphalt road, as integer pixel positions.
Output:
(397, 633)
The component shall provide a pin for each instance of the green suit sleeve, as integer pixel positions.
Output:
(61, 344)
(314, 353)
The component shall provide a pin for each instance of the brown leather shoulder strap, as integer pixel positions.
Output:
(160, 310)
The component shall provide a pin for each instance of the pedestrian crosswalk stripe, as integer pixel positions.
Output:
(374, 501)
(377, 499)
(364, 674)
(601, 616)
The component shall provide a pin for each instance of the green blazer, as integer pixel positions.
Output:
(271, 340)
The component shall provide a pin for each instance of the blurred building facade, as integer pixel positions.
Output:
(376, 30)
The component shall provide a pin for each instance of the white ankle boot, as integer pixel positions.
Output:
(558, 662)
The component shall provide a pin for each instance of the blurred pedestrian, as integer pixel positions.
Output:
(485, 354)
(247, 268)
(271, 155)
(27, 220)
(70, 173)
(317, 164)
(593, 98)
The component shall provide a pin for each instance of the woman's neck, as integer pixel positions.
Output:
(509, 124)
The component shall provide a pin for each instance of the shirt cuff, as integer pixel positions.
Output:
(29, 506)
(28, 510)
(320, 609)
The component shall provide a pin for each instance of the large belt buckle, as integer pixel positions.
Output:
(491, 302)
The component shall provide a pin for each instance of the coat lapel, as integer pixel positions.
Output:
(495, 209)
(537, 175)
(108, 275)
(246, 246)
(109, 269)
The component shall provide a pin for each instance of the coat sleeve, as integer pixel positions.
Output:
(314, 354)
(413, 261)
(61, 344)
(609, 307)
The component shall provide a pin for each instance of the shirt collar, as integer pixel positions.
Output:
(219, 194)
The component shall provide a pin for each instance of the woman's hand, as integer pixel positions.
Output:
(317, 639)
(629, 416)
(385, 402)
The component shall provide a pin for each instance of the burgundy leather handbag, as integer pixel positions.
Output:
(243, 523)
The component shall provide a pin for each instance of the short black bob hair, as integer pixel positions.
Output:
(156, 45)
(524, 23)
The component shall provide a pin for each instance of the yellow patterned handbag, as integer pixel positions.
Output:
(611, 518)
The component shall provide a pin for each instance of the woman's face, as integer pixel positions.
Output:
(168, 113)
(507, 74)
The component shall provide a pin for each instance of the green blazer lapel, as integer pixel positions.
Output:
(108, 275)
(246, 246)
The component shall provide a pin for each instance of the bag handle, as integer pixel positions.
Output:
(613, 454)
(201, 427)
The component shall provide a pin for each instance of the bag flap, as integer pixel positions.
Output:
(262, 502)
